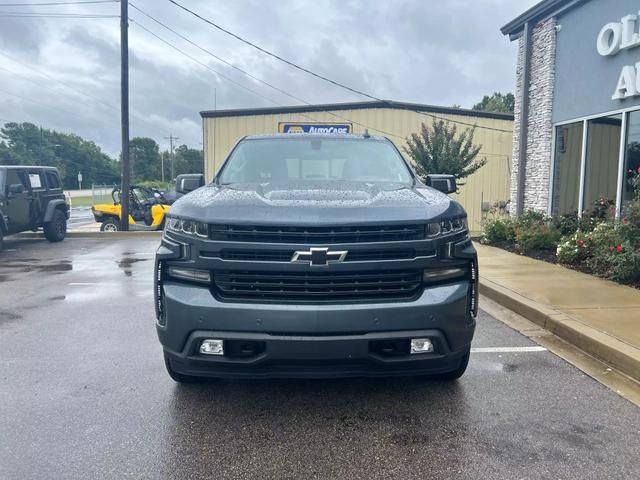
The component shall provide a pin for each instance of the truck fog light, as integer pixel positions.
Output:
(212, 346)
(421, 345)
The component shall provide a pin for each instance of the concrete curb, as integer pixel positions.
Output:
(619, 355)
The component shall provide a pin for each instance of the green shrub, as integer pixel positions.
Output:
(499, 230)
(537, 236)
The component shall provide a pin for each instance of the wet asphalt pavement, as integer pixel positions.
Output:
(84, 394)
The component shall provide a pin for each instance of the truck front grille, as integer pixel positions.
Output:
(317, 287)
(286, 255)
(317, 235)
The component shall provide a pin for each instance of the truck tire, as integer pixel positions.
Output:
(1, 238)
(179, 377)
(56, 229)
(110, 225)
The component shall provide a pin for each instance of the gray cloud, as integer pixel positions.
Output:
(413, 50)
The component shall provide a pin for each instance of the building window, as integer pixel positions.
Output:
(632, 156)
(566, 175)
(602, 160)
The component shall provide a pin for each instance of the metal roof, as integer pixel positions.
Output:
(540, 11)
(240, 112)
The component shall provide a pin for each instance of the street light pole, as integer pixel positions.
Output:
(124, 113)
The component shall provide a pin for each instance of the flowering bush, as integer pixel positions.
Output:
(597, 242)
(574, 249)
(612, 249)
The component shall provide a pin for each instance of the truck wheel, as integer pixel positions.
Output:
(458, 372)
(56, 229)
(179, 377)
(1, 238)
(110, 225)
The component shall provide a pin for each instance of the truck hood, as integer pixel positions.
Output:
(328, 203)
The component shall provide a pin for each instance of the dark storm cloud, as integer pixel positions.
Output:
(421, 51)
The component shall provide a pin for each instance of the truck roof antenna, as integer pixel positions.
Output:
(366, 133)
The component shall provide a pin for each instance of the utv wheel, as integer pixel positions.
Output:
(56, 229)
(110, 225)
(179, 377)
(458, 372)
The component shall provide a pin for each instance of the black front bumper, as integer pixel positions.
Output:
(315, 341)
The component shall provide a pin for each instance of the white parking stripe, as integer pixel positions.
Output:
(76, 284)
(507, 349)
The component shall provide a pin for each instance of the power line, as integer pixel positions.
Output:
(31, 100)
(247, 74)
(59, 16)
(271, 54)
(322, 77)
(166, 42)
(48, 4)
(75, 89)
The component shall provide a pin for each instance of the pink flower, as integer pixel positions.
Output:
(638, 169)
(629, 171)
(619, 248)
(581, 243)
(625, 221)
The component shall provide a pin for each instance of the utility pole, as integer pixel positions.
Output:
(171, 138)
(162, 166)
(124, 113)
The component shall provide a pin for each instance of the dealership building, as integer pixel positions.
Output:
(577, 116)
(394, 120)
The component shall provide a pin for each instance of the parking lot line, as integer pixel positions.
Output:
(507, 349)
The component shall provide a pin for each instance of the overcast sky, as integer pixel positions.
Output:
(425, 51)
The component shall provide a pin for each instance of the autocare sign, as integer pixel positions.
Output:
(284, 127)
(613, 38)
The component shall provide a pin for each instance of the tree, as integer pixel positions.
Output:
(440, 150)
(497, 103)
(145, 160)
(28, 144)
(188, 160)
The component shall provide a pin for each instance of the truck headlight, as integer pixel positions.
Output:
(187, 227)
(444, 227)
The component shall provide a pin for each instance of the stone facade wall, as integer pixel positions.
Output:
(540, 126)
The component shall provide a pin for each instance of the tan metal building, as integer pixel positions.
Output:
(395, 120)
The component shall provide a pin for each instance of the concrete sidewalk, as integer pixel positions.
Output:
(600, 317)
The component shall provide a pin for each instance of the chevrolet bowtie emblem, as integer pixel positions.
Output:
(319, 257)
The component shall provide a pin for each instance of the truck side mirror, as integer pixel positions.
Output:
(444, 183)
(189, 182)
(16, 188)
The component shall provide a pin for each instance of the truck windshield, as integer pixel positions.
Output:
(315, 159)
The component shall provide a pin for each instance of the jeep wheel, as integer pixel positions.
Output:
(179, 377)
(110, 225)
(56, 229)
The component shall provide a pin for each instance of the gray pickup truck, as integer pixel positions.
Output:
(316, 256)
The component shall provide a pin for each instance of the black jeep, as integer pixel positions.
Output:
(31, 198)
